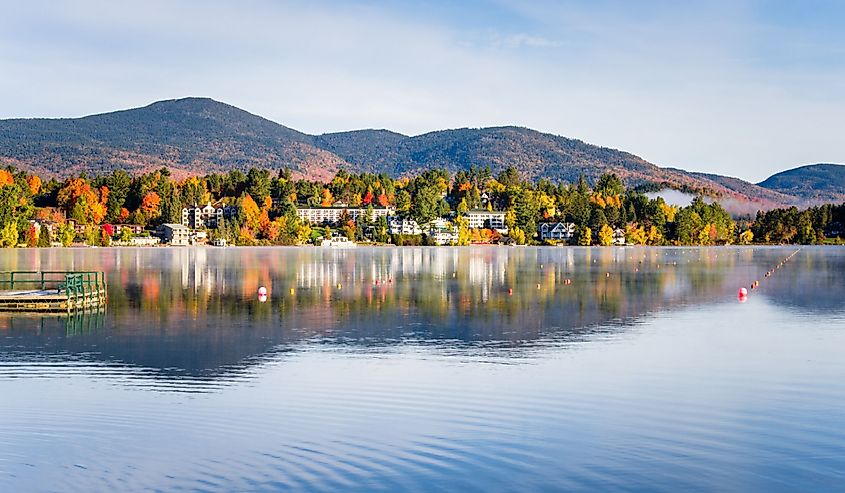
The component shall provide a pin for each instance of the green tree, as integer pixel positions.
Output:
(426, 204)
(258, 184)
(44, 239)
(125, 235)
(66, 235)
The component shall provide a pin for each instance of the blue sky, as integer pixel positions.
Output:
(742, 88)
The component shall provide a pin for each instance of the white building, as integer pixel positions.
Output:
(482, 219)
(332, 215)
(442, 232)
(444, 236)
(144, 241)
(558, 231)
(402, 226)
(205, 217)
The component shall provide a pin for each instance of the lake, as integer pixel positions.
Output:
(431, 369)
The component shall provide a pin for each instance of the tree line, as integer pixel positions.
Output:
(264, 205)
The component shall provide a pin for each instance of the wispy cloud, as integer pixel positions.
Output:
(707, 86)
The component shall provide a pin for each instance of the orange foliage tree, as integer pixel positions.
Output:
(34, 183)
(328, 199)
(81, 202)
(150, 204)
(251, 212)
(6, 178)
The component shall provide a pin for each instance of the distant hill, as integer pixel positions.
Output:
(814, 182)
(200, 135)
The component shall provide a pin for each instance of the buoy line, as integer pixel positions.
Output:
(742, 294)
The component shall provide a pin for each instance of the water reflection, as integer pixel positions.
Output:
(195, 311)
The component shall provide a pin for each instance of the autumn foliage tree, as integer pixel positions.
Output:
(6, 178)
(81, 202)
(150, 205)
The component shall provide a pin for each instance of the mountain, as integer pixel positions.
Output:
(192, 135)
(814, 182)
(200, 135)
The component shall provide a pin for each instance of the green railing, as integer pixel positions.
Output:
(76, 285)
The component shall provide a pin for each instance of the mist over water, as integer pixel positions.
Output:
(420, 369)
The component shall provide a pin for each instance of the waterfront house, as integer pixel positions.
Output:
(441, 232)
(558, 231)
(619, 236)
(403, 226)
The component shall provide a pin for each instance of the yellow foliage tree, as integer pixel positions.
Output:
(635, 234)
(605, 235)
(655, 236)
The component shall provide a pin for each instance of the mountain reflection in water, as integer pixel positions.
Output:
(194, 313)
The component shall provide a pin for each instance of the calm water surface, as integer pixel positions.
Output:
(423, 369)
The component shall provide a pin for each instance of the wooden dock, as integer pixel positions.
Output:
(51, 291)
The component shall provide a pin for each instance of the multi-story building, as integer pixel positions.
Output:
(206, 217)
(479, 219)
(175, 234)
(332, 215)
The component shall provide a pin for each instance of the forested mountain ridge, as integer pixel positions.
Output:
(194, 136)
(816, 182)
(190, 136)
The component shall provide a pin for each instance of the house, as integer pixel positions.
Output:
(484, 219)
(619, 236)
(199, 237)
(403, 226)
(558, 231)
(442, 232)
(174, 234)
(485, 199)
(220, 242)
(332, 215)
(443, 236)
